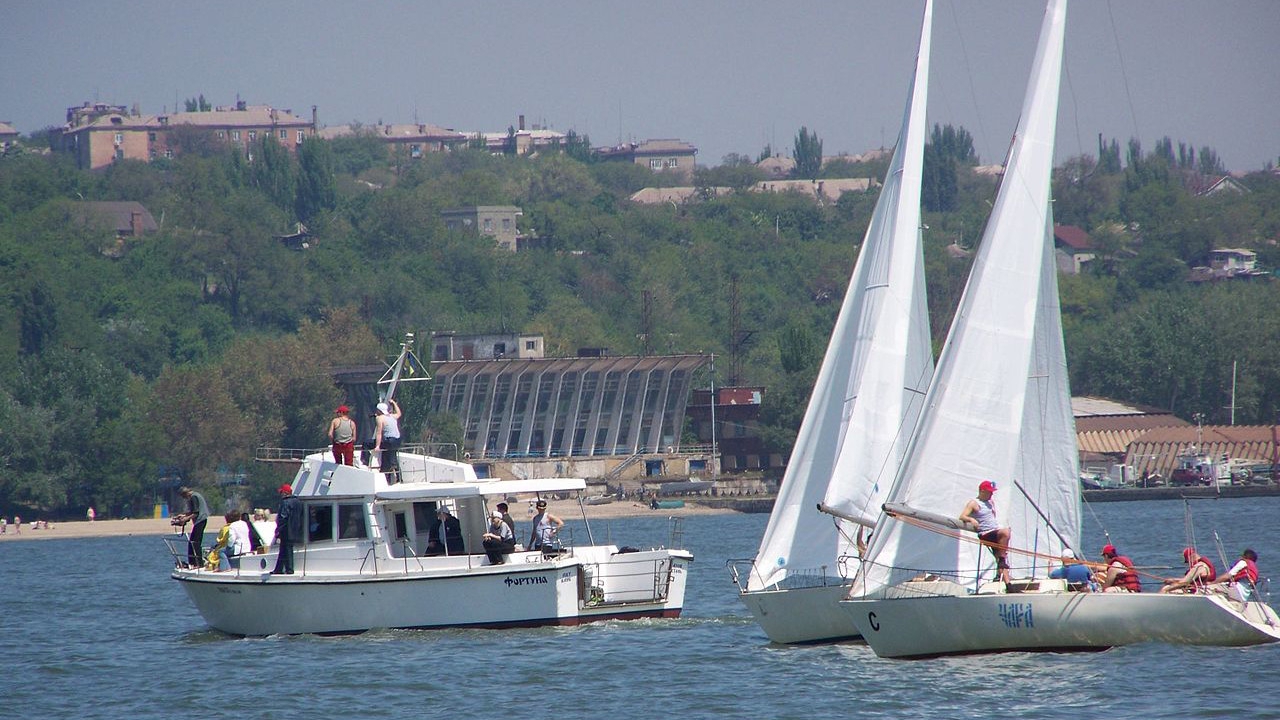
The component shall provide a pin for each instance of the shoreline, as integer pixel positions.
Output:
(157, 527)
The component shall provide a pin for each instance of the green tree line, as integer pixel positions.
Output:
(180, 352)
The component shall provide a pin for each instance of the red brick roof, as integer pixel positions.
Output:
(1072, 236)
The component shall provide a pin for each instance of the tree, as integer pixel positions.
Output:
(578, 146)
(272, 172)
(808, 154)
(509, 145)
(197, 104)
(955, 143)
(316, 190)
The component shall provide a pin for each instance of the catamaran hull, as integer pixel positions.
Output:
(1056, 621)
(535, 594)
(802, 615)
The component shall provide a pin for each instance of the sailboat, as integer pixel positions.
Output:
(998, 409)
(867, 394)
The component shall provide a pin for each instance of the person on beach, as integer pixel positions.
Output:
(387, 439)
(4, 525)
(979, 515)
(198, 514)
(342, 433)
(498, 540)
(289, 520)
(545, 527)
(90, 513)
(1200, 572)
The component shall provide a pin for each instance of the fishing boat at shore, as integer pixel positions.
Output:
(864, 402)
(367, 559)
(998, 409)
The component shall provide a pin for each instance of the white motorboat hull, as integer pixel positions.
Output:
(912, 627)
(802, 615)
(528, 591)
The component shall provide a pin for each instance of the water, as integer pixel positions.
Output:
(95, 629)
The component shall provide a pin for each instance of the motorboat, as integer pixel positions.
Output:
(364, 561)
(370, 557)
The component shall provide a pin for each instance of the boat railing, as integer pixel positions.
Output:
(177, 545)
(627, 581)
(675, 532)
(797, 578)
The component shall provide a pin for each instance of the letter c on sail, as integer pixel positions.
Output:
(871, 620)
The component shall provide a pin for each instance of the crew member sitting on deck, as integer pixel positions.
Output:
(498, 539)
(980, 515)
(1119, 575)
(1074, 572)
(1200, 572)
(1239, 582)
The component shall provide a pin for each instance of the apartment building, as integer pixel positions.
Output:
(98, 134)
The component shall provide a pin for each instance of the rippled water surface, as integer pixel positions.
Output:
(95, 628)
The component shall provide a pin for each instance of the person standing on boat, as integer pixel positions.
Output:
(1200, 572)
(498, 540)
(979, 514)
(446, 536)
(289, 519)
(342, 433)
(387, 440)
(1239, 582)
(507, 519)
(545, 527)
(198, 514)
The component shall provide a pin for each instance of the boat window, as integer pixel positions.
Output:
(402, 527)
(351, 522)
(319, 523)
(424, 517)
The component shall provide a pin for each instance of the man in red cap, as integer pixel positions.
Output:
(1200, 572)
(979, 514)
(288, 529)
(342, 433)
(1119, 575)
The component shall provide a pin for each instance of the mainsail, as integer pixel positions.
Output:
(873, 376)
(998, 407)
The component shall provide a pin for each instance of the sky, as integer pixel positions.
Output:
(728, 77)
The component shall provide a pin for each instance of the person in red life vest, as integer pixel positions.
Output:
(1119, 575)
(1200, 572)
(1241, 580)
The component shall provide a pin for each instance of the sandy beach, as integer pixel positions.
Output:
(567, 509)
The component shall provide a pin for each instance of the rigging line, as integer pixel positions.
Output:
(1124, 74)
(973, 93)
(973, 539)
(1075, 108)
(1049, 523)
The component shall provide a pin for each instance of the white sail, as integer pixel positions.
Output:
(999, 405)
(871, 383)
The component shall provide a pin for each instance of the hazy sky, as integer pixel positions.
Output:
(725, 76)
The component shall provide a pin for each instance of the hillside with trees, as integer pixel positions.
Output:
(177, 353)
